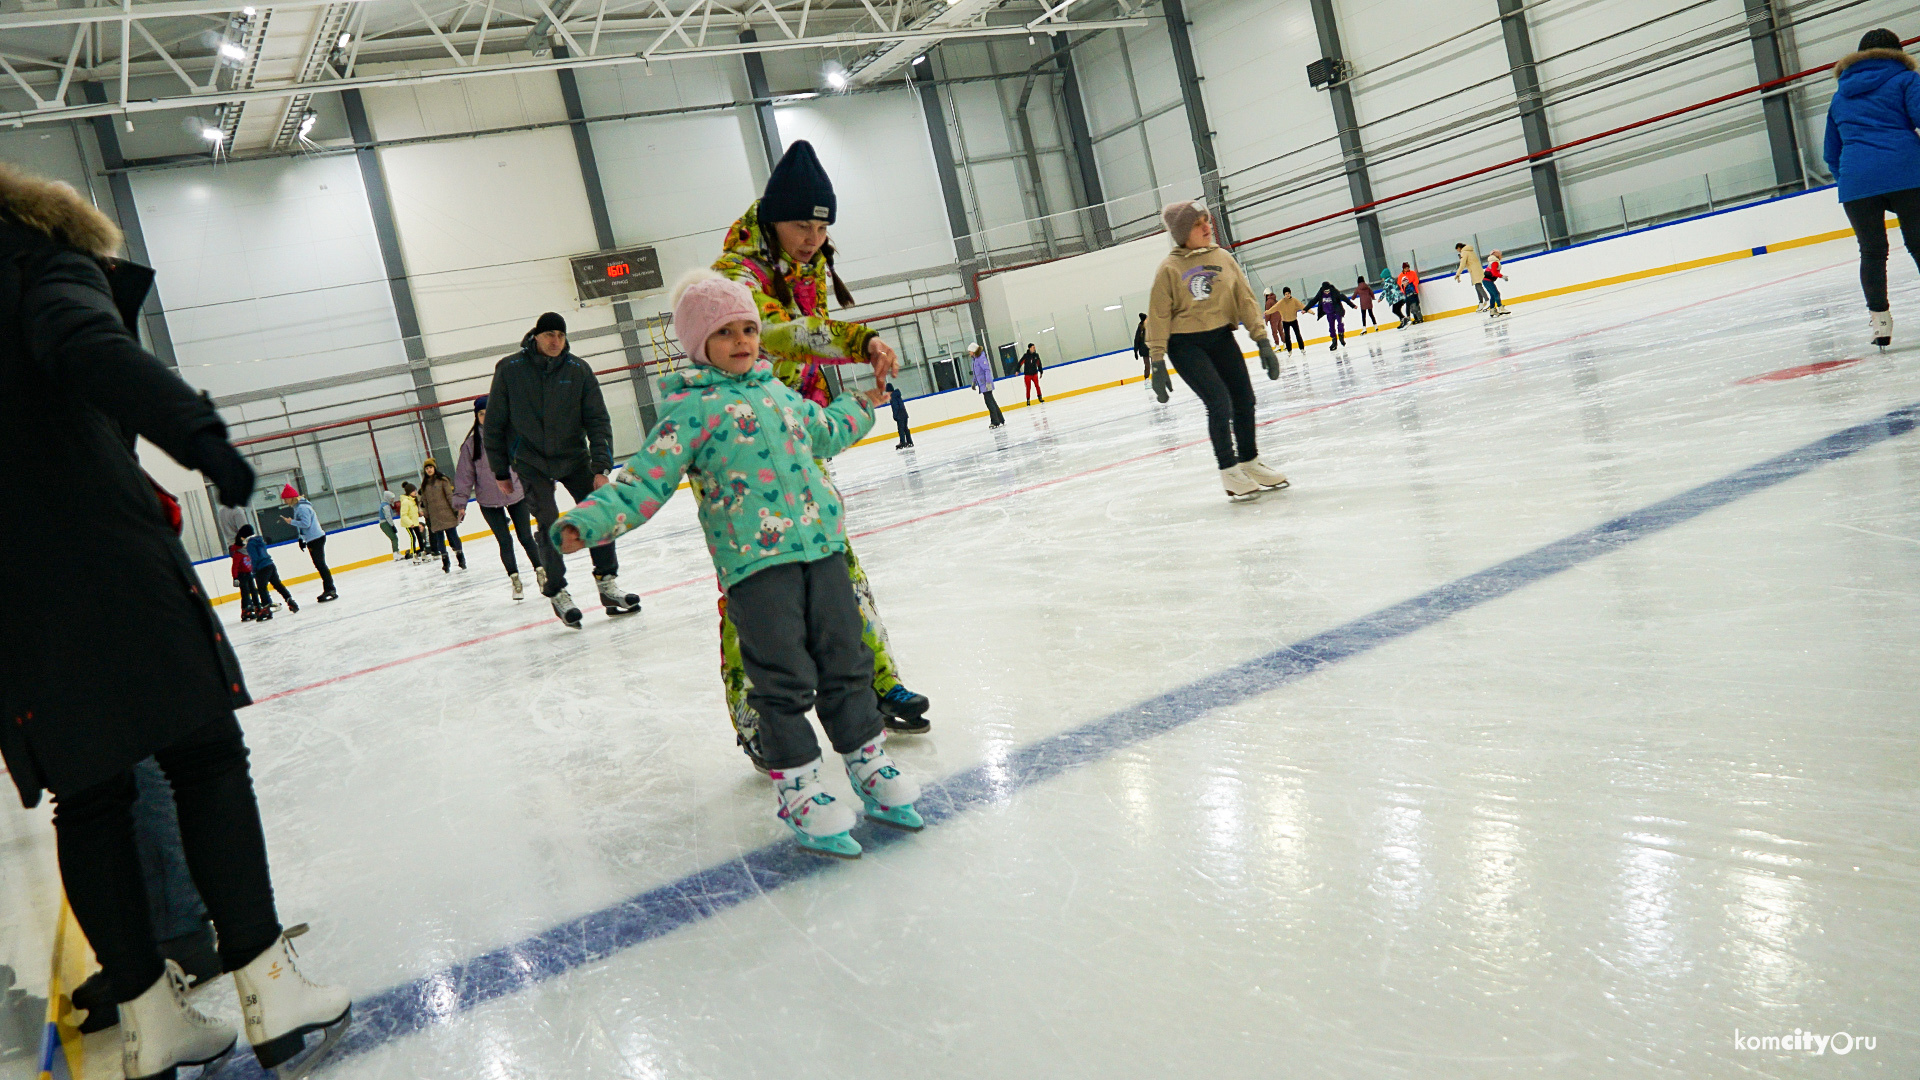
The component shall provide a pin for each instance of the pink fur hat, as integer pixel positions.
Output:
(703, 302)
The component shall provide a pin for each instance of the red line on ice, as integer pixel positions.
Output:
(1429, 377)
(1797, 372)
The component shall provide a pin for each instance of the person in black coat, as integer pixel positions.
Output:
(106, 668)
(900, 418)
(547, 422)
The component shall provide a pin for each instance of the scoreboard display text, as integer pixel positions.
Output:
(617, 273)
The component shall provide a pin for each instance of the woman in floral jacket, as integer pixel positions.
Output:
(780, 251)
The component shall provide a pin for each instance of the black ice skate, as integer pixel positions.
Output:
(905, 712)
(563, 607)
(618, 601)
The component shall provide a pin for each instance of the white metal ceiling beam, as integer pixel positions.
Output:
(129, 12)
(418, 78)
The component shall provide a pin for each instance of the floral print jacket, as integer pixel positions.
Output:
(800, 338)
(748, 445)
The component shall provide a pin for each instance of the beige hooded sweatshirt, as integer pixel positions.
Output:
(1469, 264)
(1196, 290)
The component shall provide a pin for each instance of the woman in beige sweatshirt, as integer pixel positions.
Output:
(1199, 294)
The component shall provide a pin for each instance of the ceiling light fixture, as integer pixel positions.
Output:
(837, 80)
(213, 135)
(921, 59)
(231, 51)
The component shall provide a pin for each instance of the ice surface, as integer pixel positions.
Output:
(1590, 828)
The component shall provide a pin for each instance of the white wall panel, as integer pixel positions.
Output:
(269, 271)
(892, 218)
(675, 182)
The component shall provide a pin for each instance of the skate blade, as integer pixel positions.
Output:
(839, 845)
(900, 817)
(306, 1060)
(1276, 487)
(1248, 497)
(614, 612)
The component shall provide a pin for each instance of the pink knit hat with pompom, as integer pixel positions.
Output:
(703, 302)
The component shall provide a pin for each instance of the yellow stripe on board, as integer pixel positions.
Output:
(72, 961)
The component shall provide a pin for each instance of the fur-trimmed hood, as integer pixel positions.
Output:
(1851, 59)
(58, 211)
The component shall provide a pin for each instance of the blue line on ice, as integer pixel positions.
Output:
(411, 1007)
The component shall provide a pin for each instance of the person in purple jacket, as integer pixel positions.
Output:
(497, 506)
(1874, 154)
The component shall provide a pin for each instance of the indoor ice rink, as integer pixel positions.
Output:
(1558, 719)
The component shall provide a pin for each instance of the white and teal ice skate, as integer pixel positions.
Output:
(818, 820)
(888, 793)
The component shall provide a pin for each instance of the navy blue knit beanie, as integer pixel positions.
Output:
(799, 189)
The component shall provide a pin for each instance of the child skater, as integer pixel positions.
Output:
(243, 578)
(265, 576)
(411, 520)
(1390, 292)
(1329, 303)
(1363, 295)
(747, 443)
(1493, 278)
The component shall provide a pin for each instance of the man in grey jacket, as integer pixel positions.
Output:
(547, 422)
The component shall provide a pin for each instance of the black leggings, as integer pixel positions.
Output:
(219, 832)
(1366, 316)
(268, 577)
(497, 517)
(1292, 327)
(1869, 218)
(1211, 364)
(250, 594)
(317, 551)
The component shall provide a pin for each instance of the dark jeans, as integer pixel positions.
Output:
(994, 419)
(442, 539)
(1493, 293)
(800, 641)
(1211, 364)
(906, 433)
(219, 833)
(268, 577)
(1869, 219)
(1291, 327)
(546, 511)
(317, 551)
(497, 517)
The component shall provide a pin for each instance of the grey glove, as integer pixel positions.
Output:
(1268, 359)
(1161, 383)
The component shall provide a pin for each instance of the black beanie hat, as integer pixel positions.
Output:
(550, 321)
(480, 403)
(799, 189)
(245, 531)
(1880, 39)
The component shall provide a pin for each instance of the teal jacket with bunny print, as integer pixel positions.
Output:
(747, 444)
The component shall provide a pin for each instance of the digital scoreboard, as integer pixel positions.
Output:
(617, 273)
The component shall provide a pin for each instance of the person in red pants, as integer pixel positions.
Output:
(1030, 368)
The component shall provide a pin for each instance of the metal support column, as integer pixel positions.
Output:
(1203, 155)
(127, 214)
(963, 249)
(380, 205)
(1777, 102)
(1082, 138)
(636, 353)
(763, 118)
(1359, 186)
(1548, 199)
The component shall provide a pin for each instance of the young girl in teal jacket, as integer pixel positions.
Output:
(748, 444)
